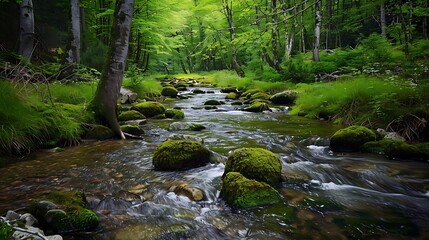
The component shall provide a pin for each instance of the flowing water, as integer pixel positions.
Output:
(326, 195)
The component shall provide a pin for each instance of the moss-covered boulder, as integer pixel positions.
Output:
(229, 90)
(258, 107)
(132, 129)
(255, 163)
(180, 154)
(196, 127)
(285, 97)
(213, 102)
(149, 109)
(99, 132)
(198, 91)
(239, 191)
(260, 96)
(65, 212)
(130, 115)
(169, 92)
(351, 139)
(248, 94)
(231, 96)
(396, 149)
(174, 114)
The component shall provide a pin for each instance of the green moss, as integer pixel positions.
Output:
(159, 116)
(255, 163)
(351, 138)
(260, 96)
(248, 94)
(238, 191)
(213, 103)
(198, 91)
(71, 221)
(174, 114)
(231, 95)
(180, 154)
(395, 149)
(130, 115)
(257, 107)
(6, 231)
(99, 132)
(132, 129)
(196, 127)
(286, 97)
(68, 198)
(236, 103)
(169, 92)
(149, 109)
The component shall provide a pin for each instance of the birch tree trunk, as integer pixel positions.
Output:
(228, 12)
(274, 21)
(26, 35)
(73, 54)
(329, 29)
(318, 18)
(106, 96)
(383, 20)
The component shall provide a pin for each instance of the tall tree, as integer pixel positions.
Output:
(105, 100)
(274, 21)
(26, 35)
(383, 19)
(73, 54)
(318, 22)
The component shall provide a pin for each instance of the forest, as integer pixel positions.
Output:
(215, 89)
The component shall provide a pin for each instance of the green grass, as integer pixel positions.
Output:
(144, 86)
(73, 93)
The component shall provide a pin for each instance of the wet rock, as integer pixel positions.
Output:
(28, 235)
(260, 96)
(130, 115)
(174, 114)
(159, 116)
(112, 204)
(351, 139)
(258, 107)
(149, 109)
(183, 188)
(196, 127)
(239, 191)
(229, 90)
(139, 122)
(186, 126)
(12, 216)
(72, 220)
(198, 91)
(128, 196)
(236, 103)
(232, 96)
(210, 107)
(132, 129)
(213, 102)
(186, 137)
(99, 132)
(255, 163)
(169, 92)
(137, 189)
(286, 97)
(390, 135)
(210, 91)
(28, 219)
(249, 93)
(396, 149)
(180, 154)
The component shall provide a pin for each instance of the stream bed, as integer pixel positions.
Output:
(326, 195)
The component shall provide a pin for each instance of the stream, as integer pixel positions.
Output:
(326, 195)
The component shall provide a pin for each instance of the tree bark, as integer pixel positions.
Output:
(228, 12)
(383, 20)
(329, 29)
(26, 38)
(318, 18)
(83, 27)
(73, 54)
(107, 93)
(274, 21)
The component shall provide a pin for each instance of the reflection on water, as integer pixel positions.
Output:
(326, 195)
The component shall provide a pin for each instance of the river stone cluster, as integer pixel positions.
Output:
(249, 174)
(180, 154)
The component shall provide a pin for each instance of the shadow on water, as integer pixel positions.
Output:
(326, 195)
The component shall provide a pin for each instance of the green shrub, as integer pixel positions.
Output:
(419, 49)
(377, 49)
(6, 231)
(95, 55)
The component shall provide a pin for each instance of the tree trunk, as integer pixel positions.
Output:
(302, 42)
(83, 27)
(329, 29)
(228, 12)
(73, 54)
(318, 18)
(26, 37)
(383, 20)
(106, 96)
(425, 22)
(274, 21)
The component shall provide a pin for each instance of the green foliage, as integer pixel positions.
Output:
(95, 55)
(144, 86)
(73, 93)
(419, 49)
(376, 49)
(6, 230)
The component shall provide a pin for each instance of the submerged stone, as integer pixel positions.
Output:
(180, 154)
(239, 191)
(132, 129)
(213, 102)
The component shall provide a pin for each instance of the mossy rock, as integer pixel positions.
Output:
(236, 103)
(169, 92)
(130, 115)
(260, 96)
(229, 90)
(255, 163)
(258, 107)
(396, 149)
(180, 154)
(198, 91)
(213, 103)
(351, 139)
(149, 109)
(285, 97)
(99, 132)
(132, 129)
(181, 85)
(71, 220)
(231, 96)
(210, 107)
(174, 114)
(196, 127)
(248, 94)
(239, 191)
